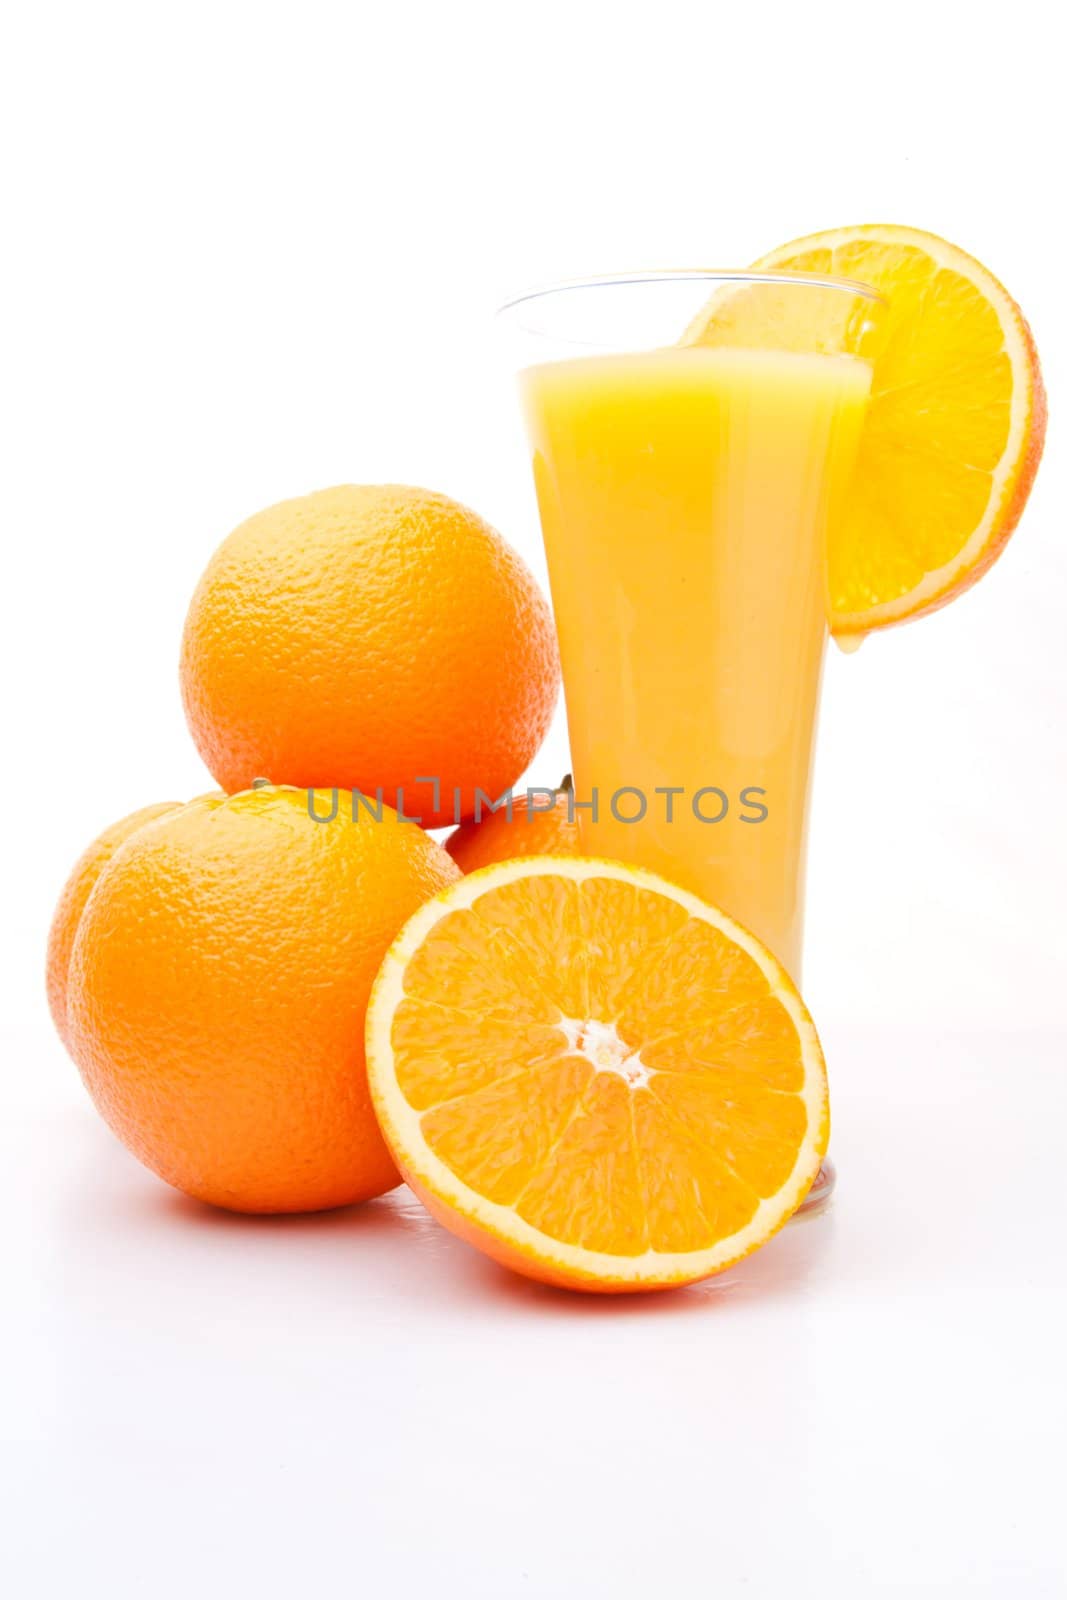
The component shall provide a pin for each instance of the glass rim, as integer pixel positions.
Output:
(710, 275)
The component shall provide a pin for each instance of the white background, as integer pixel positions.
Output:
(252, 250)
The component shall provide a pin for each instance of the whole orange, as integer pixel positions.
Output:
(76, 891)
(218, 984)
(533, 829)
(366, 637)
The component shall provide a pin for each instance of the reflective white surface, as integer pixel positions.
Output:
(356, 1403)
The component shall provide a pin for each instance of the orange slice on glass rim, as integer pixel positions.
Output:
(595, 1077)
(956, 423)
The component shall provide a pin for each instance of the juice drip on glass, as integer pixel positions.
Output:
(848, 643)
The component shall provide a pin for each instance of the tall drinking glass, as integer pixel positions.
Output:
(693, 435)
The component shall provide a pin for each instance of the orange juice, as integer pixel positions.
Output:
(685, 495)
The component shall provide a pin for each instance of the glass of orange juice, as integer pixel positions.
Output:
(693, 435)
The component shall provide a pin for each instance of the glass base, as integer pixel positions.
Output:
(818, 1196)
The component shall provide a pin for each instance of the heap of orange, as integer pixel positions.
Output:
(218, 981)
(582, 1069)
(593, 1076)
(370, 637)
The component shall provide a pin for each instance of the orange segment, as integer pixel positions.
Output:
(443, 1053)
(494, 1138)
(956, 423)
(594, 1076)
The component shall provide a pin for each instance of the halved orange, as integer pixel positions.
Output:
(956, 423)
(593, 1076)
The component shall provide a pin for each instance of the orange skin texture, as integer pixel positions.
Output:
(218, 984)
(76, 891)
(532, 831)
(369, 636)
